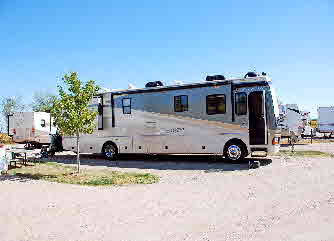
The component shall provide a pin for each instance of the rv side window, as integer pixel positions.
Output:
(180, 103)
(215, 104)
(126, 104)
(241, 103)
(43, 123)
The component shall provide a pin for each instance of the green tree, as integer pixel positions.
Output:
(43, 101)
(9, 105)
(70, 111)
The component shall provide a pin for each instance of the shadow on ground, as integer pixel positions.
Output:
(208, 163)
(16, 178)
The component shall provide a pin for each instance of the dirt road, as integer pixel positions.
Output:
(286, 199)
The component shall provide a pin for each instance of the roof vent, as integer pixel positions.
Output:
(250, 75)
(153, 84)
(215, 77)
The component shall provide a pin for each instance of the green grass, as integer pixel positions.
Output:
(63, 173)
(304, 153)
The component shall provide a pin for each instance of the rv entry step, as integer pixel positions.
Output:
(259, 152)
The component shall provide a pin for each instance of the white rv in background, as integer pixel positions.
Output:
(326, 119)
(233, 117)
(292, 121)
(34, 128)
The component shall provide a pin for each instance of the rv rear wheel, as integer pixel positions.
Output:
(109, 151)
(234, 152)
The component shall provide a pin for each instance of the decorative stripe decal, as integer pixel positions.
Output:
(230, 133)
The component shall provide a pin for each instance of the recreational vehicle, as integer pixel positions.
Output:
(292, 121)
(326, 120)
(233, 117)
(33, 128)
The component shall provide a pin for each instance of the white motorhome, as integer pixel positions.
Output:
(292, 121)
(234, 117)
(326, 119)
(31, 127)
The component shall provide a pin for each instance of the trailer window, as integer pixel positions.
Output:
(126, 104)
(180, 103)
(215, 104)
(241, 103)
(43, 123)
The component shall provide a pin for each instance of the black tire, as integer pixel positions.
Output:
(109, 151)
(234, 151)
(52, 153)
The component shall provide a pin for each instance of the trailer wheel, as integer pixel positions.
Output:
(109, 151)
(234, 151)
(52, 153)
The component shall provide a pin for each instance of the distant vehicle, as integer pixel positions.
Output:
(309, 131)
(233, 117)
(32, 128)
(326, 120)
(292, 121)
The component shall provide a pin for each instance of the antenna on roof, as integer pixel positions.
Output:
(131, 86)
(178, 82)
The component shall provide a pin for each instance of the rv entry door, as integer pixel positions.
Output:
(97, 105)
(257, 120)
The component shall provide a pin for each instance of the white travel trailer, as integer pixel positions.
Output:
(326, 119)
(31, 127)
(234, 117)
(308, 132)
(292, 121)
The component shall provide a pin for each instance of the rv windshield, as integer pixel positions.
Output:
(275, 101)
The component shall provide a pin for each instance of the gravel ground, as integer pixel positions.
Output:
(196, 199)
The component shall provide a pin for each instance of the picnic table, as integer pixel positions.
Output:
(25, 153)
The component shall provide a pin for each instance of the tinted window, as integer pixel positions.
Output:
(241, 103)
(215, 104)
(270, 112)
(180, 103)
(126, 104)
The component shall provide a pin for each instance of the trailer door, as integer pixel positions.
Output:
(10, 125)
(257, 121)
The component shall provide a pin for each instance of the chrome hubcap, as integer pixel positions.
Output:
(234, 152)
(109, 151)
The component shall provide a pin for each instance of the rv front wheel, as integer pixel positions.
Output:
(234, 152)
(109, 151)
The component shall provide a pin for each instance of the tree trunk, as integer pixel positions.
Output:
(78, 153)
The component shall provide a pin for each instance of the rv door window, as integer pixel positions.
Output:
(180, 103)
(241, 103)
(215, 104)
(43, 123)
(126, 104)
(100, 109)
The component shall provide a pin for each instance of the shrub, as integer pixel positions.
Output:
(5, 139)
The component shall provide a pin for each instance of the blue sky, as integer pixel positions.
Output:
(122, 42)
